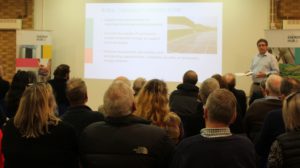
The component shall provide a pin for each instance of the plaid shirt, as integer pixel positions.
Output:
(215, 132)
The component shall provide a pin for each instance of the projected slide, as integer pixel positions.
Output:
(152, 40)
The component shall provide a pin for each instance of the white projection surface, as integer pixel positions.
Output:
(152, 40)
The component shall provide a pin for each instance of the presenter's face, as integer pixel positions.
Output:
(262, 47)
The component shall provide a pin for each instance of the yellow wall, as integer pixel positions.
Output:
(244, 21)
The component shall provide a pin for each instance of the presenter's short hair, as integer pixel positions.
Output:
(262, 40)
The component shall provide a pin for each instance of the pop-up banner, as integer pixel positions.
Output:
(34, 52)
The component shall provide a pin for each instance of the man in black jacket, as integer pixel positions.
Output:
(216, 146)
(240, 95)
(123, 140)
(184, 102)
(78, 114)
(59, 85)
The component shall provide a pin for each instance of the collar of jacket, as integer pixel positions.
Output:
(126, 120)
(79, 107)
(188, 87)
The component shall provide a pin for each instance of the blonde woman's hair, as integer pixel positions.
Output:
(152, 102)
(36, 111)
(291, 111)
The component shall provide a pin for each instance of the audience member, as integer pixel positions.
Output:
(19, 82)
(1, 153)
(184, 102)
(35, 137)
(61, 76)
(263, 92)
(257, 111)
(221, 80)
(240, 95)
(285, 151)
(123, 140)
(215, 146)
(208, 86)
(123, 79)
(138, 84)
(118, 79)
(78, 114)
(273, 124)
(237, 126)
(153, 105)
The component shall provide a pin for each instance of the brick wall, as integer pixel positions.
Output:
(285, 9)
(13, 9)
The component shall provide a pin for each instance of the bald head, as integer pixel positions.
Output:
(123, 79)
(273, 84)
(190, 77)
(229, 78)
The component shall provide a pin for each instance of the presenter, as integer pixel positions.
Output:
(263, 64)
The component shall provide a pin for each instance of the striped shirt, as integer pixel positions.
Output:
(215, 132)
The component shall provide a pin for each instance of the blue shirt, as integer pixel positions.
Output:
(266, 63)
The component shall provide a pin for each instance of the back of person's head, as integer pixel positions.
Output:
(190, 77)
(123, 79)
(152, 101)
(76, 91)
(289, 85)
(273, 84)
(208, 86)
(221, 106)
(118, 100)
(19, 82)
(32, 77)
(36, 111)
(291, 111)
(229, 79)
(22, 78)
(220, 79)
(62, 72)
(262, 40)
(138, 84)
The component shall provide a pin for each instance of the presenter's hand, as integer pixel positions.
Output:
(261, 75)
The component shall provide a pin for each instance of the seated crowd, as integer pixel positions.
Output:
(48, 124)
